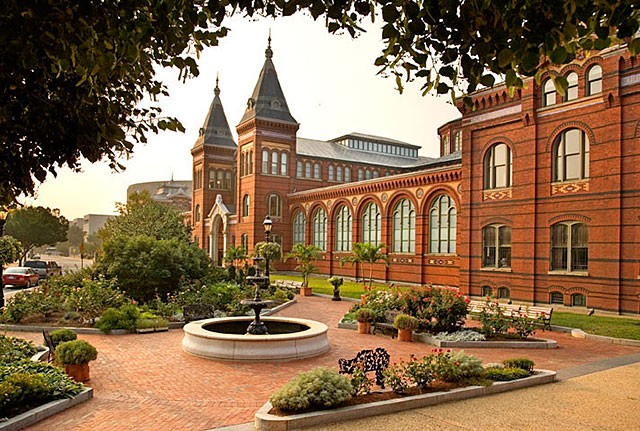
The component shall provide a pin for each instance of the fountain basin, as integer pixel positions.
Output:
(289, 338)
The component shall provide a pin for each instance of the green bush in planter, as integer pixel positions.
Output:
(365, 315)
(75, 353)
(505, 374)
(404, 321)
(320, 388)
(126, 317)
(21, 389)
(61, 335)
(522, 363)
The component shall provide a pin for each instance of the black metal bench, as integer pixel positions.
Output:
(371, 360)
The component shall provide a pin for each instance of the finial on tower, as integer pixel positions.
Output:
(217, 89)
(268, 52)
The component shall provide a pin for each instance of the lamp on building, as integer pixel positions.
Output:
(268, 224)
(3, 219)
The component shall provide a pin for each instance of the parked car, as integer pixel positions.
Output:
(20, 276)
(44, 268)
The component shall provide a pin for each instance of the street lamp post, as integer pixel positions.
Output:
(3, 219)
(268, 224)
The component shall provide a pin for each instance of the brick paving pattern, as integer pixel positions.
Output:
(146, 382)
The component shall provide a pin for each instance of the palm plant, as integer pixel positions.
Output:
(235, 255)
(304, 255)
(367, 253)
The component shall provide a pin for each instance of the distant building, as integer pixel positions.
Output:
(92, 223)
(176, 194)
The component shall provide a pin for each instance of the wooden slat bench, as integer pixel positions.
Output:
(288, 284)
(532, 312)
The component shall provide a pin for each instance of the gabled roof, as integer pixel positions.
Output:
(268, 101)
(215, 131)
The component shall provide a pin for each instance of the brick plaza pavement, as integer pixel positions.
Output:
(146, 382)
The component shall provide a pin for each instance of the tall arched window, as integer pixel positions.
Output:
(457, 141)
(367, 174)
(242, 161)
(331, 173)
(339, 173)
(319, 233)
(197, 214)
(307, 170)
(442, 225)
(497, 167)
(274, 163)
(569, 246)
(594, 80)
(343, 229)
(244, 241)
(496, 246)
(571, 156)
(250, 170)
(360, 175)
(265, 161)
(371, 226)
(245, 205)
(548, 93)
(316, 171)
(446, 147)
(299, 169)
(299, 227)
(572, 89)
(284, 164)
(404, 227)
(274, 205)
(347, 175)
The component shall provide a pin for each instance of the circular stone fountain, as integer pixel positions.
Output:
(226, 338)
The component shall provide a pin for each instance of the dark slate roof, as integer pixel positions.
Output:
(215, 130)
(373, 138)
(333, 151)
(268, 101)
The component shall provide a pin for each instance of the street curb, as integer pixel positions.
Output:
(42, 412)
(268, 422)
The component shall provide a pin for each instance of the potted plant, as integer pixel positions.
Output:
(74, 357)
(336, 282)
(364, 316)
(61, 335)
(405, 325)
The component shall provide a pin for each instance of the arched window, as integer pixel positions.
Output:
(376, 174)
(299, 227)
(245, 206)
(367, 174)
(220, 180)
(319, 233)
(404, 227)
(442, 225)
(486, 291)
(572, 89)
(578, 300)
(265, 161)
(227, 184)
(497, 167)
(316, 171)
(242, 161)
(569, 247)
(284, 164)
(371, 227)
(548, 93)
(446, 148)
(594, 80)
(571, 156)
(496, 246)
(244, 241)
(299, 169)
(274, 163)
(503, 293)
(556, 298)
(250, 162)
(330, 172)
(347, 175)
(360, 175)
(307, 170)
(339, 173)
(343, 229)
(457, 141)
(197, 213)
(274, 205)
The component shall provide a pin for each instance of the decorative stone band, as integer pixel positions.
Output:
(496, 195)
(565, 188)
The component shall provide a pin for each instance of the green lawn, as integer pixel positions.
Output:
(349, 289)
(617, 327)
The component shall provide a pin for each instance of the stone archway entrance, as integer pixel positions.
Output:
(218, 241)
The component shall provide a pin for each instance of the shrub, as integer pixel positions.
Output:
(522, 363)
(523, 325)
(505, 374)
(22, 389)
(439, 309)
(75, 352)
(404, 321)
(14, 349)
(494, 323)
(316, 389)
(365, 315)
(125, 317)
(94, 297)
(360, 383)
(61, 335)
(463, 335)
(396, 378)
(420, 372)
(382, 300)
(20, 306)
(463, 367)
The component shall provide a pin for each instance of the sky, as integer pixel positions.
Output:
(330, 83)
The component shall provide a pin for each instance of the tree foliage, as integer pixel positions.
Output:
(10, 249)
(75, 235)
(141, 215)
(36, 226)
(367, 253)
(74, 74)
(304, 256)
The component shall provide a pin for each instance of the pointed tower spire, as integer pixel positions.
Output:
(215, 130)
(268, 101)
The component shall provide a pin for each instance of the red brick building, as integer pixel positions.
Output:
(535, 197)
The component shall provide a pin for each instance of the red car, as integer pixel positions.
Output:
(20, 276)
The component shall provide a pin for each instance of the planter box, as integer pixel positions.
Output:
(542, 344)
(267, 422)
(145, 330)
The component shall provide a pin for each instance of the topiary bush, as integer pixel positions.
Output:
(522, 363)
(505, 374)
(61, 335)
(365, 315)
(75, 353)
(320, 388)
(404, 321)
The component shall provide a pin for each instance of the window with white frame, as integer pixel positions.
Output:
(299, 227)
(343, 229)
(245, 205)
(572, 89)
(274, 163)
(496, 246)
(569, 247)
(331, 177)
(594, 80)
(457, 141)
(497, 167)
(284, 164)
(265, 161)
(404, 227)
(274, 205)
(548, 93)
(371, 224)
(442, 225)
(316, 171)
(319, 234)
(571, 156)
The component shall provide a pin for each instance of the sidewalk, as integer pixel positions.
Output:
(145, 382)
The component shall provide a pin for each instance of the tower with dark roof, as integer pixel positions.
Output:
(266, 159)
(214, 168)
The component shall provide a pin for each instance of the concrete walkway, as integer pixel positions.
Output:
(145, 382)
